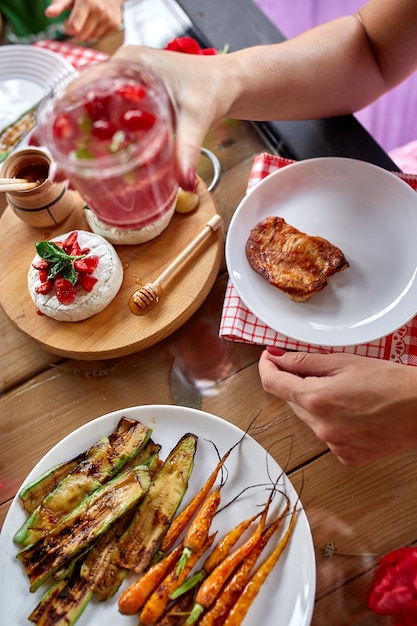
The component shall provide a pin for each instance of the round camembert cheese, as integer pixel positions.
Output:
(109, 273)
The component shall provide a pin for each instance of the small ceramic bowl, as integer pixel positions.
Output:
(48, 204)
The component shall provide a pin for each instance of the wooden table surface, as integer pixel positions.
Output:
(362, 513)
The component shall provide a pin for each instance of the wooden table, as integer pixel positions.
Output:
(356, 515)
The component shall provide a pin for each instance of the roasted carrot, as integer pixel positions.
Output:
(219, 552)
(134, 597)
(197, 533)
(181, 521)
(157, 603)
(223, 547)
(252, 588)
(211, 586)
(236, 583)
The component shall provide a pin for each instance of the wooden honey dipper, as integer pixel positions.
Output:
(16, 184)
(149, 294)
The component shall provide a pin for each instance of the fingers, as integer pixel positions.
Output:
(57, 7)
(88, 20)
(310, 383)
(85, 26)
(277, 381)
(297, 392)
(189, 137)
(350, 402)
(312, 364)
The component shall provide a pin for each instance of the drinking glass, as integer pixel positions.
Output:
(111, 133)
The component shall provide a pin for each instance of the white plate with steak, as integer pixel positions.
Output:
(366, 213)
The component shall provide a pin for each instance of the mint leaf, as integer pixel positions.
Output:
(83, 153)
(56, 268)
(70, 274)
(59, 261)
(50, 251)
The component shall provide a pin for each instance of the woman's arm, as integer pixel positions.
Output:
(336, 68)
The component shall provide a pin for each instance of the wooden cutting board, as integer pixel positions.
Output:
(116, 331)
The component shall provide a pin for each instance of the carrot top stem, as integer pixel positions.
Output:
(189, 584)
(195, 613)
(184, 558)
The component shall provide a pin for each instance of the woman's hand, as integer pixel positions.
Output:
(89, 19)
(195, 85)
(365, 409)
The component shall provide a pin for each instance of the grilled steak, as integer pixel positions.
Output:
(292, 261)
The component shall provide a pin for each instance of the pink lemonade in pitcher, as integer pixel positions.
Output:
(111, 133)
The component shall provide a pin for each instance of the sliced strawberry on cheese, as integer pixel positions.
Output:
(40, 264)
(76, 250)
(83, 288)
(44, 287)
(43, 276)
(87, 281)
(65, 291)
(86, 265)
(69, 242)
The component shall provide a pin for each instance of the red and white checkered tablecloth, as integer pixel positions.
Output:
(78, 56)
(239, 324)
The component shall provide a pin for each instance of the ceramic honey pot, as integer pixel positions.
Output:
(50, 202)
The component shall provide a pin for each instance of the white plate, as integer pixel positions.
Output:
(26, 75)
(370, 214)
(287, 596)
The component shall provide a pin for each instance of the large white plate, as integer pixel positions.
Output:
(26, 75)
(370, 214)
(287, 597)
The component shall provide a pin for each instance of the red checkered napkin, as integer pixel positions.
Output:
(239, 324)
(78, 56)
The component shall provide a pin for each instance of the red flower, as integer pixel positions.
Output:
(394, 591)
(189, 46)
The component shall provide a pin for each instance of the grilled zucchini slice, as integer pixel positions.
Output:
(101, 462)
(84, 525)
(155, 513)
